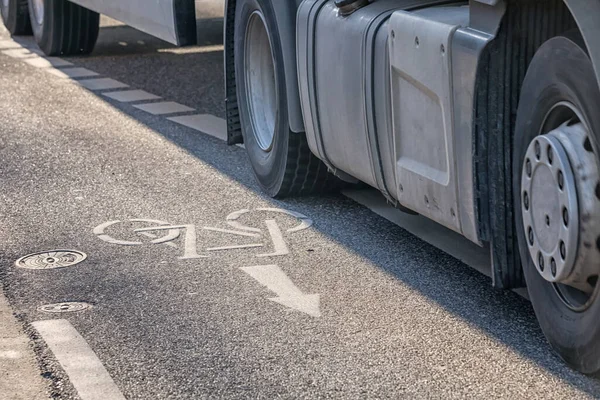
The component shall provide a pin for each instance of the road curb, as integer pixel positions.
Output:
(20, 376)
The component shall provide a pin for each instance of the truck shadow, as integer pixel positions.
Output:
(194, 77)
(118, 39)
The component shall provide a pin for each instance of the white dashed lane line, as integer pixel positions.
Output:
(162, 108)
(102, 84)
(47, 62)
(128, 96)
(72, 72)
(207, 123)
(86, 372)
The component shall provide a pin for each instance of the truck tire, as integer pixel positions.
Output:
(15, 15)
(282, 161)
(556, 189)
(63, 28)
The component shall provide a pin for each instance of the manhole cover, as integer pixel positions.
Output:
(51, 259)
(72, 306)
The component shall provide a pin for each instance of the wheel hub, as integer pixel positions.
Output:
(561, 211)
(260, 81)
(550, 209)
(38, 10)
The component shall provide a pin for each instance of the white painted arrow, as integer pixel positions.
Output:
(288, 294)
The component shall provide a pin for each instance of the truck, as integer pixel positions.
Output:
(482, 115)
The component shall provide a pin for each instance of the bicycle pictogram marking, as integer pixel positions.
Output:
(165, 233)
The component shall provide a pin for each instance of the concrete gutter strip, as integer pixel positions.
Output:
(20, 376)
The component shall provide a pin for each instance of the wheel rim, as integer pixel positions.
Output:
(5, 3)
(38, 11)
(261, 89)
(560, 193)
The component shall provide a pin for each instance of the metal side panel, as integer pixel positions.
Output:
(344, 86)
(422, 106)
(170, 20)
(304, 45)
(467, 47)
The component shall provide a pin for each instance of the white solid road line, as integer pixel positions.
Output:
(128, 96)
(206, 123)
(279, 246)
(165, 107)
(72, 72)
(76, 357)
(102, 84)
(47, 62)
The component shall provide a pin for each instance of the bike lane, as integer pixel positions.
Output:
(347, 306)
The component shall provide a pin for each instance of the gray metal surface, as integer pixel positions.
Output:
(550, 209)
(51, 259)
(340, 104)
(155, 17)
(38, 11)
(485, 16)
(65, 307)
(574, 138)
(422, 104)
(285, 16)
(260, 81)
(362, 143)
(467, 47)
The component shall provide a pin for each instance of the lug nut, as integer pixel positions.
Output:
(563, 250)
(526, 201)
(561, 180)
(528, 167)
(553, 267)
(550, 155)
(530, 236)
(541, 261)
(538, 150)
(565, 215)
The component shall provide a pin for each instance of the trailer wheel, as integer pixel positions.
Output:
(15, 15)
(556, 186)
(63, 28)
(282, 161)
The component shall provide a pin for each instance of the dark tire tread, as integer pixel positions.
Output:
(74, 29)
(304, 173)
(18, 23)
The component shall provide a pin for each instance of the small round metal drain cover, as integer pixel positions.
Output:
(72, 306)
(51, 259)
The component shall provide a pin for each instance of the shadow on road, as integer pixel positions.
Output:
(175, 74)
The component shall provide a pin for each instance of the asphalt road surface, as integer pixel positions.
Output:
(336, 303)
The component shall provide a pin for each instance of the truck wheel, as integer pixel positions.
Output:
(15, 16)
(556, 186)
(282, 161)
(63, 28)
